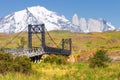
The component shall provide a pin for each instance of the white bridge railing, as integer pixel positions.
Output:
(25, 52)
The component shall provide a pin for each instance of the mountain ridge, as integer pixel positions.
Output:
(92, 24)
(17, 21)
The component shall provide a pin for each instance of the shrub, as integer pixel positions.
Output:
(21, 42)
(5, 56)
(6, 60)
(10, 64)
(118, 76)
(22, 64)
(99, 59)
(57, 59)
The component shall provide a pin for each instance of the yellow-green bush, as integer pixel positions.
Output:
(22, 64)
(57, 59)
(10, 64)
(99, 59)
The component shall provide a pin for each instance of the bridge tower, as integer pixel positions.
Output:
(36, 29)
(69, 43)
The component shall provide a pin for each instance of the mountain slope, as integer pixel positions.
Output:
(17, 21)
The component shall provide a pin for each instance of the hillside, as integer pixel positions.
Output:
(83, 45)
(81, 42)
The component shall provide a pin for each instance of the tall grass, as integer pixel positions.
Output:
(78, 71)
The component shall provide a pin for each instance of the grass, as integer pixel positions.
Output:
(108, 40)
(77, 71)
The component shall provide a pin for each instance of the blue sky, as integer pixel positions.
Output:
(107, 9)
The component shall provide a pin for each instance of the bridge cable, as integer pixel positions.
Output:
(14, 37)
(52, 38)
(38, 37)
(22, 30)
(45, 28)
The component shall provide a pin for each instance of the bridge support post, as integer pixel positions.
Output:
(70, 43)
(63, 44)
(43, 36)
(29, 36)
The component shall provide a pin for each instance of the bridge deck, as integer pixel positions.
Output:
(37, 51)
(25, 52)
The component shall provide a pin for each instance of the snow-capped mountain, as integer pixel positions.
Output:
(118, 29)
(17, 21)
(99, 25)
(75, 19)
(93, 25)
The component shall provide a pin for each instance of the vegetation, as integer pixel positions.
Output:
(77, 71)
(9, 63)
(81, 42)
(56, 67)
(100, 59)
(22, 64)
(56, 59)
(21, 43)
(52, 68)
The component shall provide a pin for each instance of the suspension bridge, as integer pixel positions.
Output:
(35, 53)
